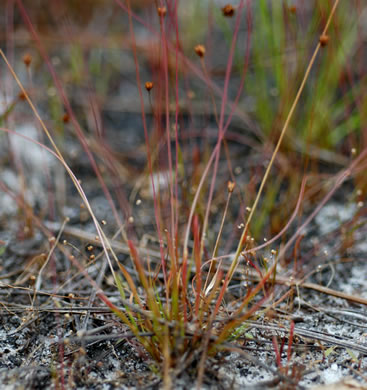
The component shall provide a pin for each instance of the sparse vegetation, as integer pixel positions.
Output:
(163, 168)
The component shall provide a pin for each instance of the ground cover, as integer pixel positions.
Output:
(182, 194)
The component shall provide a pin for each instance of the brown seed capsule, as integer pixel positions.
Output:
(21, 96)
(231, 186)
(162, 11)
(148, 85)
(293, 9)
(66, 118)
(324, 40)
(228, 10)
(27, 59)
(200, 50)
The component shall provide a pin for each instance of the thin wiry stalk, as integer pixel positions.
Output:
(167, 117)
(221, 120)
(282, 134)
(215, 250)
(138, 82)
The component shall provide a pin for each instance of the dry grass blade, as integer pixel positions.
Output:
(339, 341)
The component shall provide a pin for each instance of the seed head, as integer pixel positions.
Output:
(230, 186)
(148, 85)
(66, 118)
(27, 59)
(200, 50)
(22, 96)
(162, 11)
(293, 9)
(228, 10)
(324, 40)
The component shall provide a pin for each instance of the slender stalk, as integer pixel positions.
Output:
(138, 82)
(282, 134)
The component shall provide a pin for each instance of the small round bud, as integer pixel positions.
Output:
(148, 86)
(27, 59)
(22, 96)
(293, 9)
(200, 50)
(162, 11)
(66, 118)
(324, 40)
(228, 10)
(230, 186)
